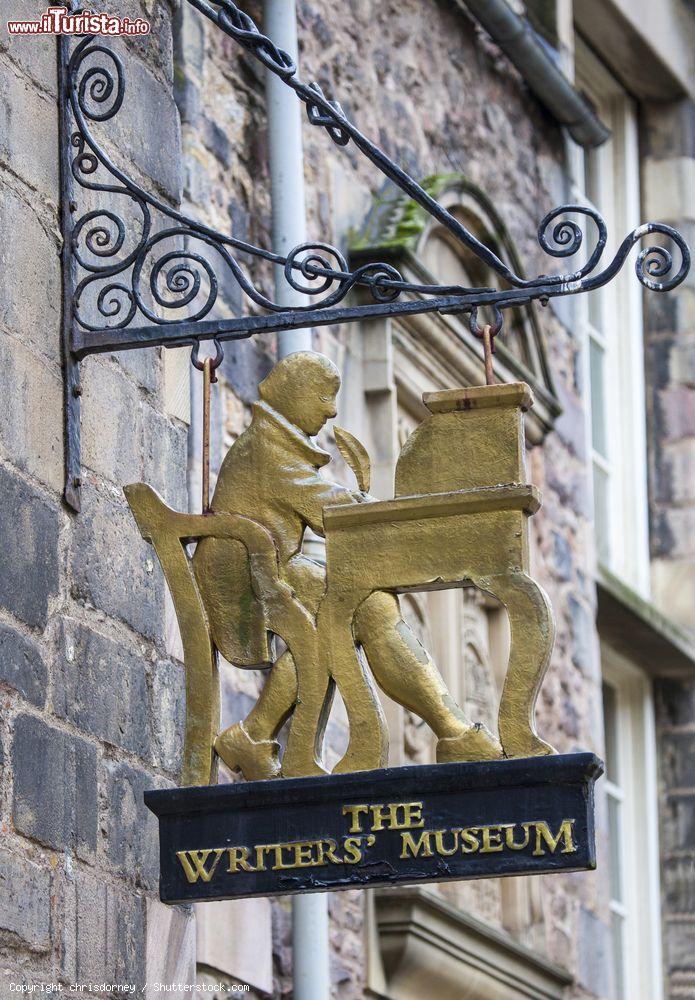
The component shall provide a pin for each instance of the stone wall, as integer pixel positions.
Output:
(91, 701)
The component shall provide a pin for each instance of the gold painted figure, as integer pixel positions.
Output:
(450, 524)
(272, 474)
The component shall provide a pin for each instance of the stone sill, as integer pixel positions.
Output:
(431, 948)
(633, 626)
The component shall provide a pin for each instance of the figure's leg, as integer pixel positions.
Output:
(405, 671)
(250, 746)
(532, 637)
(369, 739)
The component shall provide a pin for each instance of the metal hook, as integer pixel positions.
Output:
(487, 335)
(214, 362)
(495, 328)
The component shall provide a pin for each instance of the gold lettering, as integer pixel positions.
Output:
(355, 812)
(491, 846)
(412, 816)
(328, 852)
(439, 842)
(409, 843)
(277, 850)
(303, 854)
(470, 843)
(397, 816)
(509, 836)
(564, 834)
(260, 857)
(239, 858)
(352, 847)
(199, 858)
(382, 816)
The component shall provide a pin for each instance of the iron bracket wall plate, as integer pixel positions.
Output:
(138, 273)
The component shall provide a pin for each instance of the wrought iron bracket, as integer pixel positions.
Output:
(139, 273)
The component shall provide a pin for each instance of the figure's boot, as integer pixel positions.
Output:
(475, 743)
(257, 761)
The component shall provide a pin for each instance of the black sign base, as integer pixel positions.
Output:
(427, 823)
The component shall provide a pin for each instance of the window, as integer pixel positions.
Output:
(607, 179)
(631, 794)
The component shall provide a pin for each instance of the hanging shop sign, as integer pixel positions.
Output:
(495, 803)
(428, 823)
(492, 805)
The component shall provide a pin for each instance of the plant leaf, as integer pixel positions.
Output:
(356, 456)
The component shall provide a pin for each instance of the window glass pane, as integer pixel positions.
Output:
(595, 302)
(610, 723)
(618, 928)
(598, 402)
(615, 845)
(601, 515)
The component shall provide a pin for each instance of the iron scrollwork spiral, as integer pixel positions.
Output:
(170, 275)
(137, 258)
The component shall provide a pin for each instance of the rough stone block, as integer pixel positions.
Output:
(680, 946)
(143, 365)
(177, 383)
(109, 941)
(669, 186)
(22, 666)
(110, 422)
(244, 366)
(669, 128)
(112, 567)
(55, 786)
(36, 55)
(165, 458)
(29, 259)
(679, 832)
(234, 937)
(31, 418)
(662, 315)
(28, 152)
(678, 760)
(101, 686)
(132, 833)
(678, 875)
(168, 714)
(571, 424)
(673, 579)
(171, 945)
(25, 898)
(678, 412)
(155, 49)
(147, 129)
(675, 702)
(29, 530)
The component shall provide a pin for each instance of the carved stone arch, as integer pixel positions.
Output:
(398, 230)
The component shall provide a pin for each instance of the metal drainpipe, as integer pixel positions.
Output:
(520, 44)
(286, 166)
(310, 948)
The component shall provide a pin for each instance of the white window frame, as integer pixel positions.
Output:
(611, 318)
(636, 792)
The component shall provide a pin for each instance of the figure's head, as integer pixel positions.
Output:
(303, 388)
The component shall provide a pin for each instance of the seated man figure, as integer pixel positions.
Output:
(271, 473)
